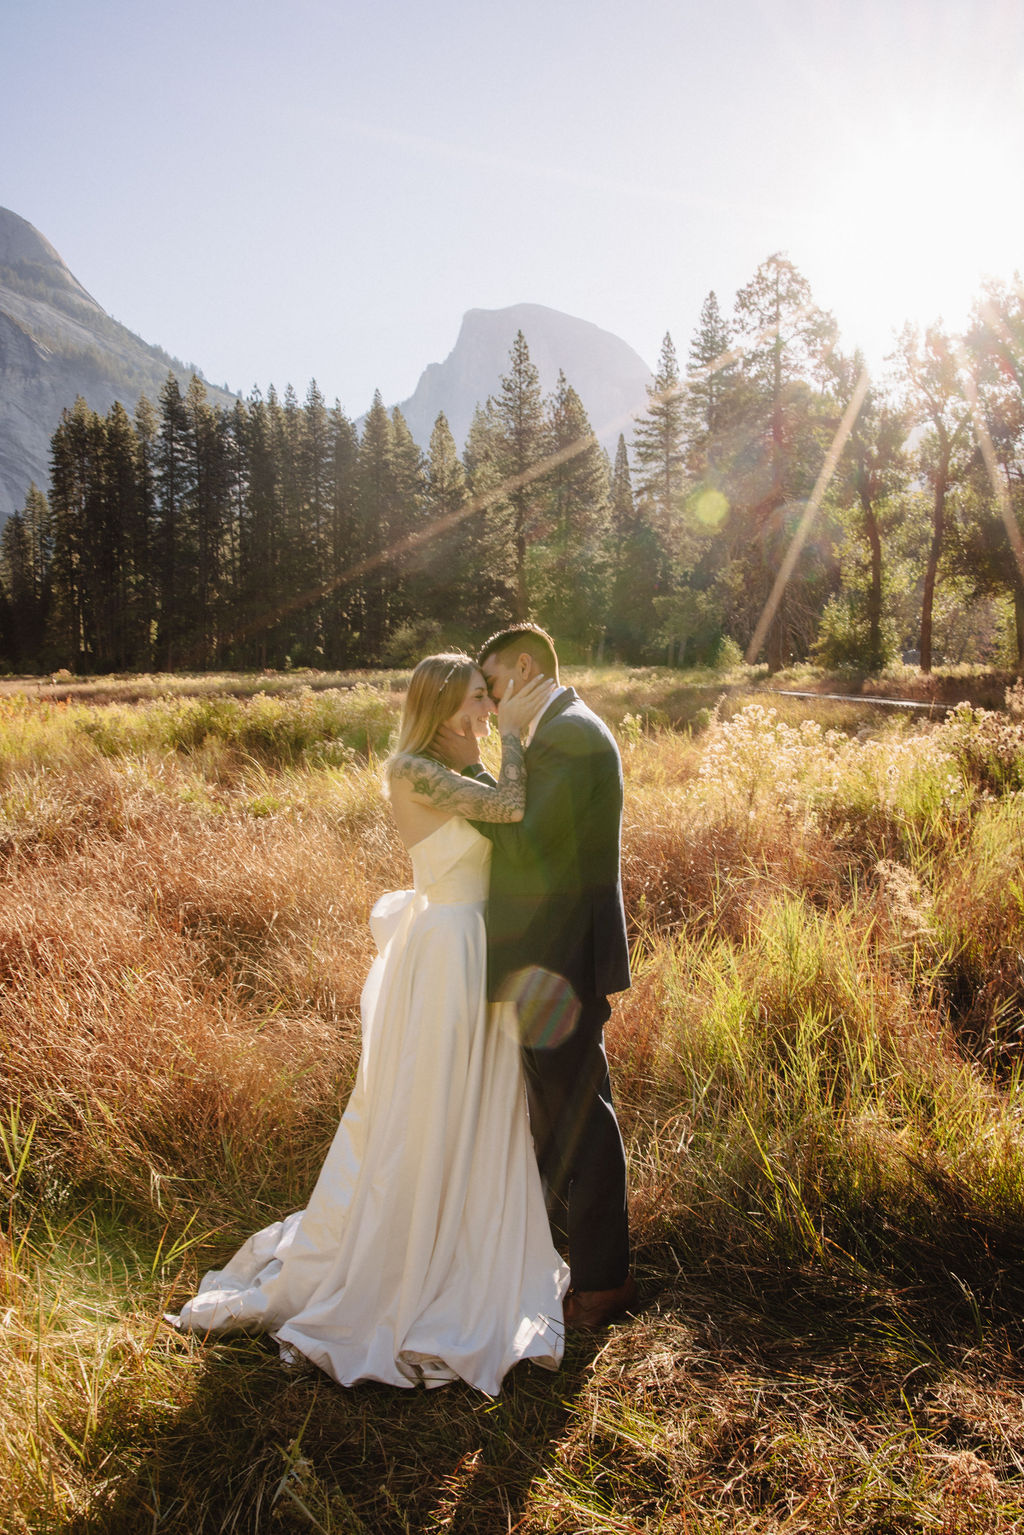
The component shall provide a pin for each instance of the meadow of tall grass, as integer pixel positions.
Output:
(819, 1078)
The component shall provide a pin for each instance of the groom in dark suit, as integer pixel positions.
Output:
(557, 947)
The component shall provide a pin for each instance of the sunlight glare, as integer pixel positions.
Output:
(915, 216)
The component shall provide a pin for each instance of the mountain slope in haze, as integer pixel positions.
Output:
(56, 343)
(609, 377)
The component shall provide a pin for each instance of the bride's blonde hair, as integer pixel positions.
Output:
(436, 690)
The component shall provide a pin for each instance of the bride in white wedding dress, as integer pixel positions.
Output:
(424, 1253)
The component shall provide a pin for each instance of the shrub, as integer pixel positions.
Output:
(844, 636)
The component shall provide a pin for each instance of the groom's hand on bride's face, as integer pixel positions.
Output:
(458, 749)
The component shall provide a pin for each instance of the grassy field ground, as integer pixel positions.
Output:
(818, 1073)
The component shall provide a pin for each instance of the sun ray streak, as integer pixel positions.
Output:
(810, 512)
(1000, 489)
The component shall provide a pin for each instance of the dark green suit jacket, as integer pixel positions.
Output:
(556, 891)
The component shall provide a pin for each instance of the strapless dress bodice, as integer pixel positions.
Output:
(451, 866)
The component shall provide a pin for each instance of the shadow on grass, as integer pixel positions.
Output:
(722, 1399)
(755, 1399)
(257, 1448)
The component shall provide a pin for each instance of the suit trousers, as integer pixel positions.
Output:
(580, 1152)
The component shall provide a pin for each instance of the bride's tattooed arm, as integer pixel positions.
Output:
(434, 784)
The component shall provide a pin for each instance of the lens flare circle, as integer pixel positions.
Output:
(547, 1008)
(710, 508)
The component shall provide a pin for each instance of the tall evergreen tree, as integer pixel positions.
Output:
(659, 451)
(634, 560)
(377, 494)
(489, 526)
(260, 595)
(570, 560)
(408, 523)
(234, 431)
(76, 501)
(442, 569)
(520, 443)
(317, 450)
(343, 604)
(709, 402)
(294, 571)
(24, 574)
(307, 446)
(787, 342)
(8, 641)
(175, 544)
(207, 433)
(143, 553)
(121, 591)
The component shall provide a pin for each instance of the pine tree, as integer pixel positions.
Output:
(709, 399)
(570, 560)
(117, 594)
(142, 532)
(445, 483)
(294, 574)
(520, 443)
(622, 502)
(377, 486)
(632, 620)
(317, 450)
(408, 521)
(209, 517)
(488, 524)
(24, 574)
(235, 433)
(659, 451)
(261, 592)
(470, 565)
(785, 427)
(76, 500)
(39, 530)
(8, 643)
(309, 439)
(441, 568)
(343, 605)
(716, 442)
(175, 544)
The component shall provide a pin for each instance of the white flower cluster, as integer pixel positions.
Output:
(755, 764)
(989, 747)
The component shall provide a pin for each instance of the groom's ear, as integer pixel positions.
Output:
(524, 668)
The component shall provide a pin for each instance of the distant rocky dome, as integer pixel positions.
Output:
(57, 343)
(609, 377)
(22, 246)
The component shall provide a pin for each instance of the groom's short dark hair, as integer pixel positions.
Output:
(530, 638)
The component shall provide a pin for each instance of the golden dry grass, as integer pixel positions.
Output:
(818, 1075)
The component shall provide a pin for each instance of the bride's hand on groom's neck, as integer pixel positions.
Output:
(454, 748)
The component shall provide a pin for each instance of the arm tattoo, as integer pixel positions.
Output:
(467, 797)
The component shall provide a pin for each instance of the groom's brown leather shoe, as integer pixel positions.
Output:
(590, 1310)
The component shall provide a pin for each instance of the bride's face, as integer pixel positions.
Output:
(474, 712)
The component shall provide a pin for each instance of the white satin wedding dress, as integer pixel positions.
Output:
(424, 1253)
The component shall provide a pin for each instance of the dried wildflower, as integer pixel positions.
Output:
(907, 899)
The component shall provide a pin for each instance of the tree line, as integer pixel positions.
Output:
(774, 502)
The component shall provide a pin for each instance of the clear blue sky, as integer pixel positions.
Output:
(320, 188)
